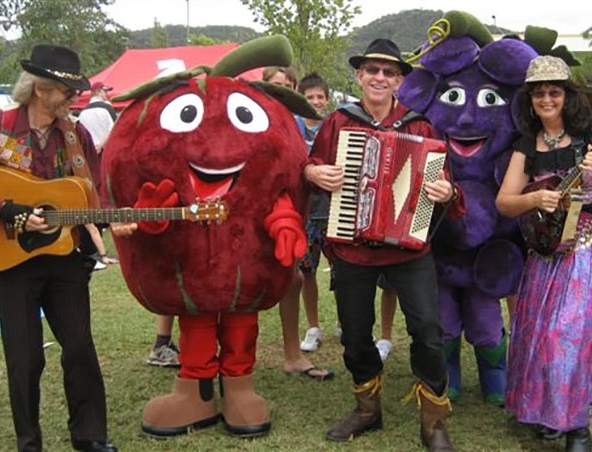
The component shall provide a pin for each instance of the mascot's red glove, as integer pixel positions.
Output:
(284, 225)
(163, 195)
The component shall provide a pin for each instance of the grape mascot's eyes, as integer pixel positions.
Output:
(489, 98)
(454, 96)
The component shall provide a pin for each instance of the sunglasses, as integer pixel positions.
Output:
(541, 93)
(387, 72)
(69, 93)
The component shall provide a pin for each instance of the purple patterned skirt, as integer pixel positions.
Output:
(550, 357)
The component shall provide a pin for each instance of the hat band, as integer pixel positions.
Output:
(66, 75)
(381, 56)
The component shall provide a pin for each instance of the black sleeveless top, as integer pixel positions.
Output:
(557, 161)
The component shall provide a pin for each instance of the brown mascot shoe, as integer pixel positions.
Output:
(244, 413)
(191, 405)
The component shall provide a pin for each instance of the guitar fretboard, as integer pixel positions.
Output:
(123, 215)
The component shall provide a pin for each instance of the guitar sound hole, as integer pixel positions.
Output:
(54, 227)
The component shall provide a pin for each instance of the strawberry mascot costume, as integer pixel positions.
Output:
(198, 136)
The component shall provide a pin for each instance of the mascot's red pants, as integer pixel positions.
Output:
(198, 341)
(192, 403)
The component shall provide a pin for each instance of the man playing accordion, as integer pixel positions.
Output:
(410, 271)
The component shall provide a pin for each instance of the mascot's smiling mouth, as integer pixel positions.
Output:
(210, 183)
(466, 147)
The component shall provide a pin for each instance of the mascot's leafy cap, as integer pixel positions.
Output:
(547, 68)
(454, 24)
(381, 49)
(272, 50)
(543, 39)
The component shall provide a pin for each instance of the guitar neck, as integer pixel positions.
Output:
(122, 215)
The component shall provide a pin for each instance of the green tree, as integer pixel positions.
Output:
(79, 24)
(202, 40)
(316, 30)
(160, 37)
(9, 10)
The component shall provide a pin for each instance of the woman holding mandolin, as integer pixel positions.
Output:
(548, 185)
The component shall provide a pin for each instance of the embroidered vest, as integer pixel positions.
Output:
(15, 152)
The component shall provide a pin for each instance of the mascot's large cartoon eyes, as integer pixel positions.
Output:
(182, 114)
(489, 98)
(454, 96)
(246, 114)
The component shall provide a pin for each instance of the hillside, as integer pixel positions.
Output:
(177, 35)
(407, 28)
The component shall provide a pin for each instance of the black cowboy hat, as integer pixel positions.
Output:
(381, 49)
(58, 63)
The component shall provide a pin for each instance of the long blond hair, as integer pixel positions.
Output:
(25, 86)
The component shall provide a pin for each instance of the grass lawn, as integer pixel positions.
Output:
(302, 409)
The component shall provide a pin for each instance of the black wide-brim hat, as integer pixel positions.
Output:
(381, 49)
(57, 63)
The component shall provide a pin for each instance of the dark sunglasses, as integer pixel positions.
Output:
(69, 93)
(387, 72)
(541, 93)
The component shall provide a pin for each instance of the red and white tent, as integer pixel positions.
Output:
(138, 66)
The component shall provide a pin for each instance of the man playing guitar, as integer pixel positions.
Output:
(34, 137)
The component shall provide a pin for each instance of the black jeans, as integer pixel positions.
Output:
(415, 283)
(58, 284)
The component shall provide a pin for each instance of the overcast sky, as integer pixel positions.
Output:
(566, 16)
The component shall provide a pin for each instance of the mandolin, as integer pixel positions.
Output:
(547, 233)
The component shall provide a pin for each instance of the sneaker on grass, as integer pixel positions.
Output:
(165, 356)
(312, 340)
(99, 266)
(384, 347)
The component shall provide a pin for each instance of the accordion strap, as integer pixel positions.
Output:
(355, 111)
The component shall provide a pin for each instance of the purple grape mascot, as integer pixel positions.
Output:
(465, 84)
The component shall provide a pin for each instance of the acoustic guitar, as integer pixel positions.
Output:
(547, 233)
(64, 203)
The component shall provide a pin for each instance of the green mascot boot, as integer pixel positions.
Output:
(491, 363)
(452, 352)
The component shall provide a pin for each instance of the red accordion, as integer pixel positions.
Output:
(382, 199)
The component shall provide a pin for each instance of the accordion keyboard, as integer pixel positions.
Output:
(343, 207)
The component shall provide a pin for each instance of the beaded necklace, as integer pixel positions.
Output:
(553, 142)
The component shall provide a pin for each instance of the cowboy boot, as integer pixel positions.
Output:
(452, 352)
(578, 440)
(491, 363)
(433, 413)
(190, 405)
(366, 416)
(244, 412)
